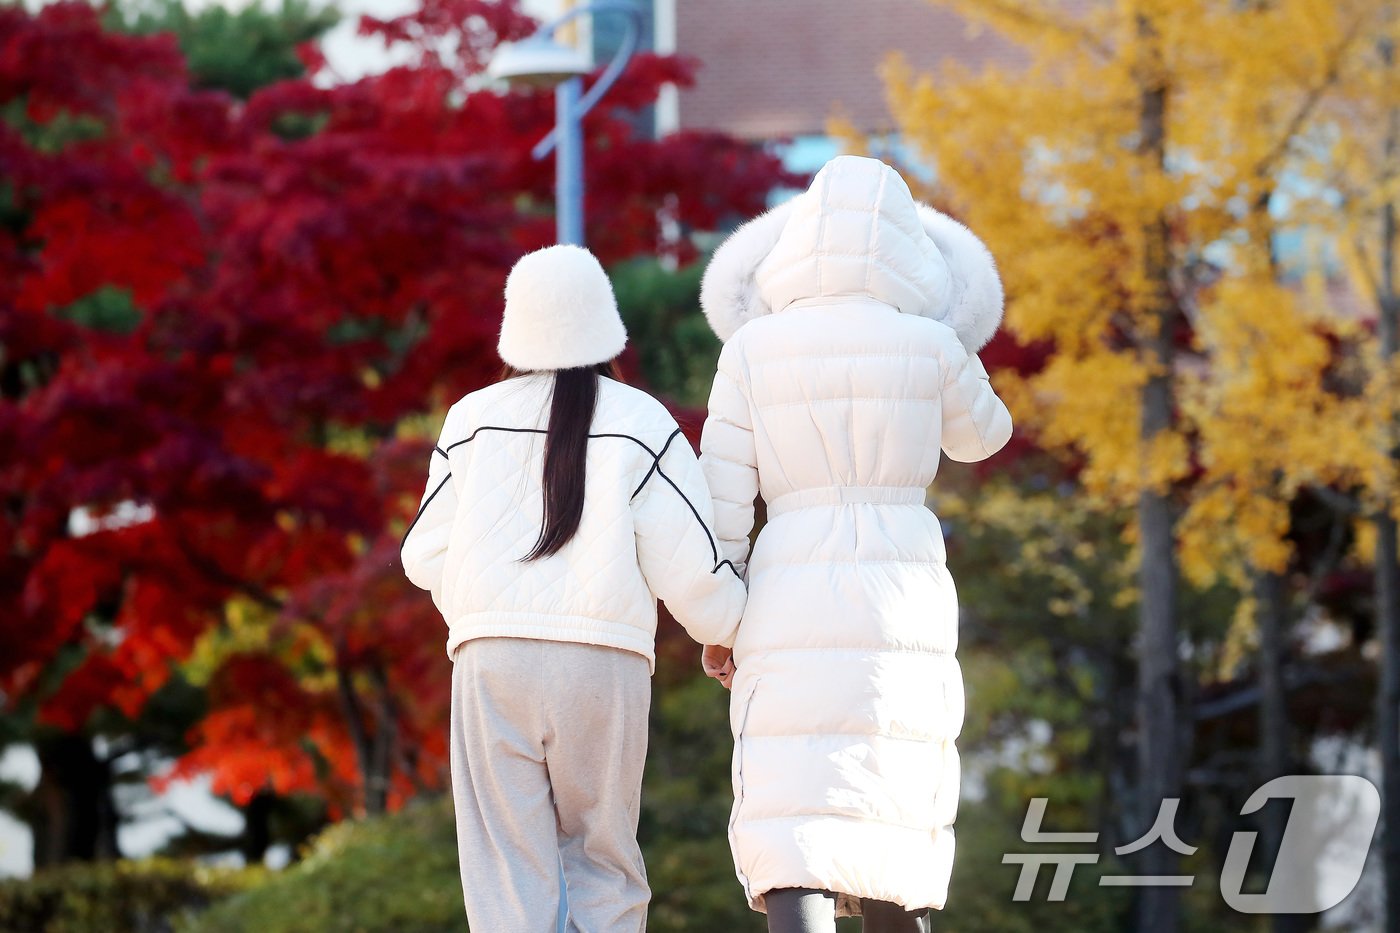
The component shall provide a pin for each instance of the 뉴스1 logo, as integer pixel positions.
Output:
(1320, 859)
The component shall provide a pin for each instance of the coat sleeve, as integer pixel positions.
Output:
(424, 548)
(729, 458)
(976, 424)
(677, 550)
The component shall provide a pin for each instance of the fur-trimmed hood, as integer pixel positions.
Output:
(856, 231)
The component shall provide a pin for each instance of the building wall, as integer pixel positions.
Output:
(773, 68)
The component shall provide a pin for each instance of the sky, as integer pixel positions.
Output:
(351, 56)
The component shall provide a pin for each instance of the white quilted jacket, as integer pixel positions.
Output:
(834, 408)
(645, 533)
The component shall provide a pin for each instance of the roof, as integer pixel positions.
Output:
(784, 67)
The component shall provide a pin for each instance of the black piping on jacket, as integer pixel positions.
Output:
(654, 471)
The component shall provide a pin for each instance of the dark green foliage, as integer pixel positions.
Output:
(1047, 588)
(685, 810)
(50, 136)
(237, 51)
(131, 897)
(661, 308)
(107, 309)
(980, 892)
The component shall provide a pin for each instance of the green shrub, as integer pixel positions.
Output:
(114, 897)
(395, 873)
(675, 348)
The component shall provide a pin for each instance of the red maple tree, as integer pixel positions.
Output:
(218, 321)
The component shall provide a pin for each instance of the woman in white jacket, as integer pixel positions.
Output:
(851, 318)
(560, 505)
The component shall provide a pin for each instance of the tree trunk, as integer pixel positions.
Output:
(381, 772)
(1159, 706)
(71, 813)
(257, 827)
(1388, 554)
(359, 733)
(1115, 766)
(1388, 710)
(1275, 757)
(1271, 600)
(374, 732)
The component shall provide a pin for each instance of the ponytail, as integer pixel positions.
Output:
(566, 455)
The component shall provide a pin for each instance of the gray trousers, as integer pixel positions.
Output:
(802, 910)
(547, 745)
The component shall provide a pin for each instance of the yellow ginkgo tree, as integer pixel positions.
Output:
(1134, 173)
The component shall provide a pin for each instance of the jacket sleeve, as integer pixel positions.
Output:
(424, 549)
(976, 424)
(730, 460)
(677, 550)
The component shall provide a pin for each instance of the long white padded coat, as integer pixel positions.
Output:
(851, 316)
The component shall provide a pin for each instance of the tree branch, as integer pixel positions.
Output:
(350, 703)
(1310, 102)
(1021, 14)
(1328, 560)
(1337, 501)
(222, 577)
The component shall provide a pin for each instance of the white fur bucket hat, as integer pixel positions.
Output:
(560, 312)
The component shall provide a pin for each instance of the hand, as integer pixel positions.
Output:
(718, 662)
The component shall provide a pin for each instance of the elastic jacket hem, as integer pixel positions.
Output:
(542, 627)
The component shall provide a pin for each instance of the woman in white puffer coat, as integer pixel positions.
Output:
(851, 318)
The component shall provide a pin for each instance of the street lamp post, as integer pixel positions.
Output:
(541, 60)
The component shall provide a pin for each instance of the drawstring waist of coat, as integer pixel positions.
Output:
(845, 495)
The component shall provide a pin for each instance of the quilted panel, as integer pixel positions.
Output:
(645, 530)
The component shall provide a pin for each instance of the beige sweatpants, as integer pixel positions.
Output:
(548, 743)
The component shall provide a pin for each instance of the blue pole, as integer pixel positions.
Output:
(568, 216)
(568, 163)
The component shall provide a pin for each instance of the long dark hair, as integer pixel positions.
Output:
(566, 453)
